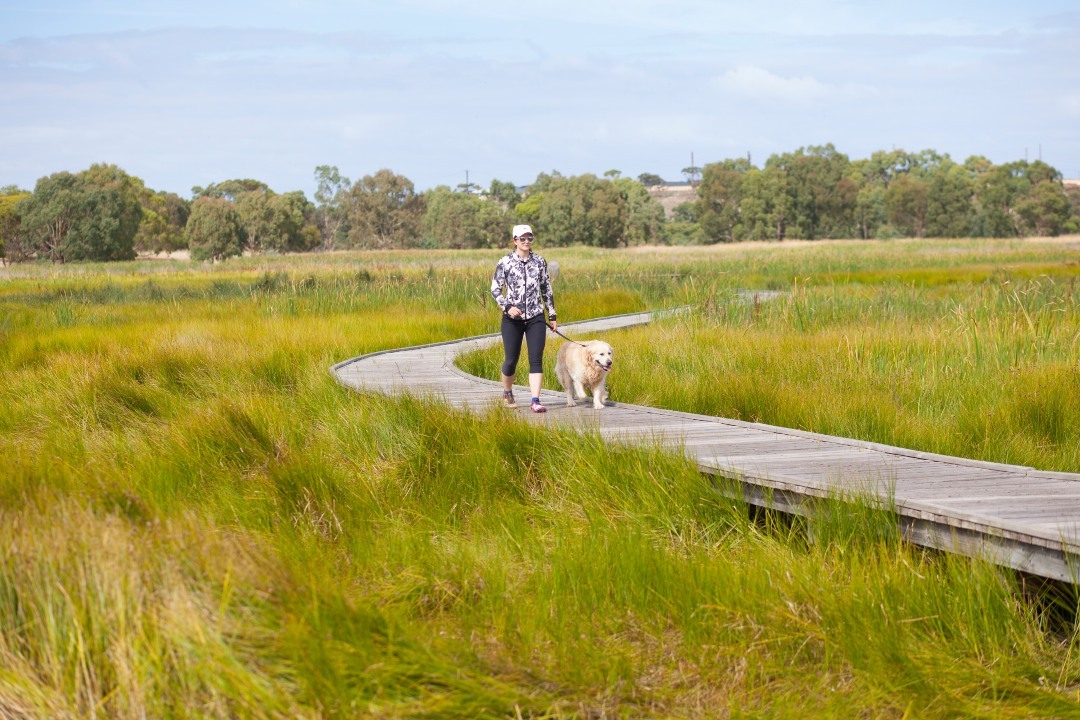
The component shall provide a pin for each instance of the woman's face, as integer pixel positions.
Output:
(524, 243)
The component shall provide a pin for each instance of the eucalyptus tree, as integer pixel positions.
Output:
(607, 216)
(1045, 210)
(505, 193)
(949, 201)
(277, 222)
(822, 196)
(907, 202)
(720, 199)
(872, 177)
(162, 226)
(691, 173)
(229, 189)
(650, 179)
(461, 220)
(258, 216)
(330, 194)
(93, 215)
(13, 246)
(1072, 194)
(587, 210)
(384, 211)
(298, 229)
(579, 210)
(997, 191)
(214, 231)
(127, 189)
(644, 213)
(766, 204)
(544, 181)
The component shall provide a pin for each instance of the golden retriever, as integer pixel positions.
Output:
(584, 365)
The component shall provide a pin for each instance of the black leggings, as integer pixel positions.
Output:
(535, 331)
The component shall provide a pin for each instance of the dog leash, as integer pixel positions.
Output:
(563, 336)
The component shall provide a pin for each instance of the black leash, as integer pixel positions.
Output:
(563, 336)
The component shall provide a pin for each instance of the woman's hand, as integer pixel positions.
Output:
(514, 311)
(553, 325)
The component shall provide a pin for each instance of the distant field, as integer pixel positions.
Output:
(672, 196)
(197, 521)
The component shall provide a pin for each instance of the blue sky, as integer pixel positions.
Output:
(185, 94)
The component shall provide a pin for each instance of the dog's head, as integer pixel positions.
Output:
(602, 354)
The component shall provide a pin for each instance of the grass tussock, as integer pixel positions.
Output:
(196, 521)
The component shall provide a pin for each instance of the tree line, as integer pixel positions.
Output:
(817, 192)
(104, 214)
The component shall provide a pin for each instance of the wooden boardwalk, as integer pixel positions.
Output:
(1014, 516)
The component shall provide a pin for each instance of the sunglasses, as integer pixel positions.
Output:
(525, 238)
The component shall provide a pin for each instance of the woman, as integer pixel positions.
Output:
(522, 289)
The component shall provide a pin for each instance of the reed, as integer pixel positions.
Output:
(988, 370)
(197, 521)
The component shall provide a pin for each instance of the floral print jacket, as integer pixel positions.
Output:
(523, 283)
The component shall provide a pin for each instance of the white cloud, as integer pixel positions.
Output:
(1070, 104)
(759, 84)
(359, 127)
(16, 136)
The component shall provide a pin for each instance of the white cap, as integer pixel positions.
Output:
(520, 230)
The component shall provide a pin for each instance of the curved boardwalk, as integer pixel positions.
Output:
(1014, 516)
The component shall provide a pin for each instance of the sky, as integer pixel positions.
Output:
(189, 93)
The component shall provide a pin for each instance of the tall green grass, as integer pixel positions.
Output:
(197, 521)
(986, 369)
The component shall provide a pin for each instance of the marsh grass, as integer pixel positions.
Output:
(987, 370)
(197, 521)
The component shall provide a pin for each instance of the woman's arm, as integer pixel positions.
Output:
(546, 292)
(497, 283)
